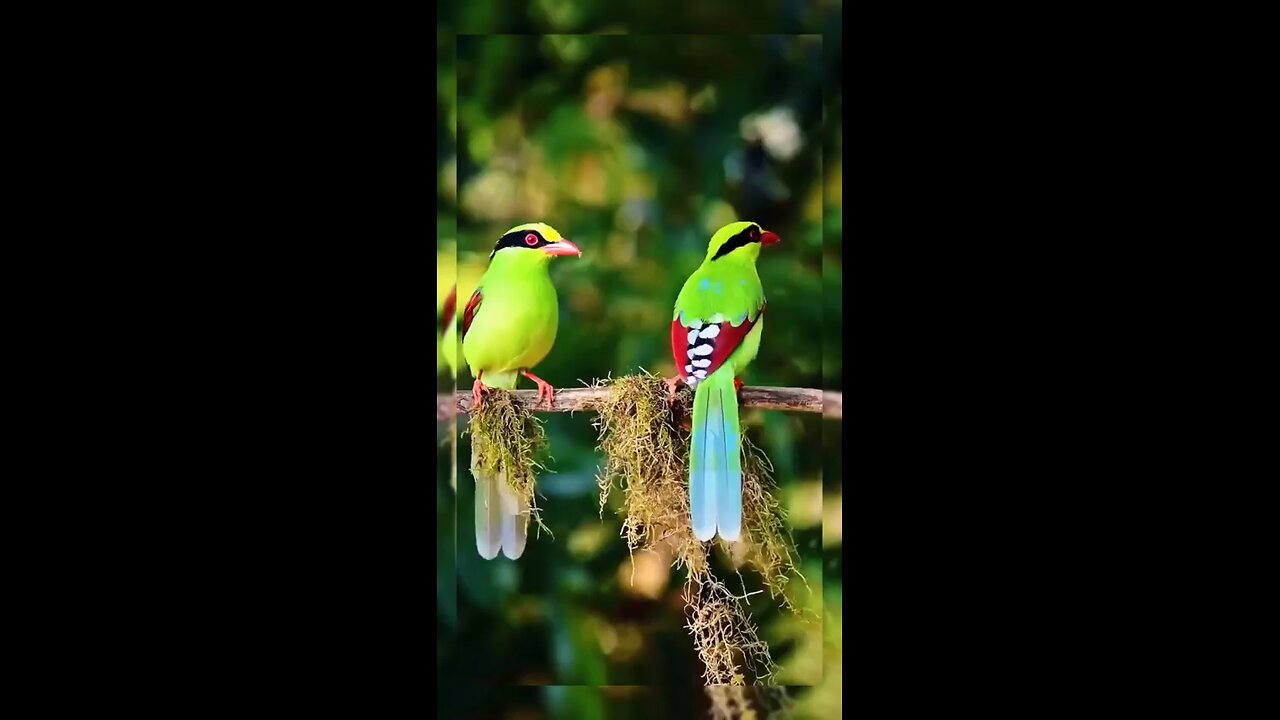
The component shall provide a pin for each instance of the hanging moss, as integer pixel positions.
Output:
(645, 457)
(646, 447)
(724, 636)
(506, 437)
(762, 702)
(770, 549)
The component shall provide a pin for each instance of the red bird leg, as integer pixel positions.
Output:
(543, 386)
(671, 384)
(477, 390)
(737, 388)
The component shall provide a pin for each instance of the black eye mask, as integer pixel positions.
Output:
(527, 239)
(746, 237)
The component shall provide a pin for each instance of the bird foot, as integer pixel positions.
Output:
(544, 387)
(477, 392)
(671, 384)
(737, 389)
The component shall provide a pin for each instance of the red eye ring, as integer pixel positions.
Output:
(530, 239)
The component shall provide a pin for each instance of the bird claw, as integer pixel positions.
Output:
(671, 384)
(685, 419)
(543, 387)
(737, 389)
(477, 392)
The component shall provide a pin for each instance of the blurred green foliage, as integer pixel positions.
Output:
(636, 147)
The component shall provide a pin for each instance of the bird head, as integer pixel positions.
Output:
(738, 242)
(532, 243)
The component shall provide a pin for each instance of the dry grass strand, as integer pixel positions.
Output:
(507, 437)
(647, 455)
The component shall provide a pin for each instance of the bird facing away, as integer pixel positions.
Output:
(508, 327)
(715, 333)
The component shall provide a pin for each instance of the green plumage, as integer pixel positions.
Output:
(509, 326)
(725, 288)
(515, 326)
(730, 291)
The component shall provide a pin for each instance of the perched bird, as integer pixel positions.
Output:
(508, 327)
(715, 333)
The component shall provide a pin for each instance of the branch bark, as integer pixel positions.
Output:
(588, 399)
(832, 404)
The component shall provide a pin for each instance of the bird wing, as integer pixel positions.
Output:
(701, 347)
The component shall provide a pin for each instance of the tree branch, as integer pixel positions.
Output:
(588, 399)
(832, 404)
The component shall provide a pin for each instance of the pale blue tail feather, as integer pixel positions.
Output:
(515, 522)
(502, 518)
(702, 470)
(729, 520)
(713, 456)
(488, 517)
(715, 466)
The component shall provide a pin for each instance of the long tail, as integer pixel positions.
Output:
(715, 459)
(502, 517)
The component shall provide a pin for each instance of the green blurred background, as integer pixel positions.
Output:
(636, 147)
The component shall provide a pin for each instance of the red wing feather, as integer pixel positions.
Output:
(450, 305)
(680, 346)
(722, 345)
(727, 341)
(470, 313)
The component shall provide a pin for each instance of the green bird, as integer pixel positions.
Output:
(715, 333)
(508, 327)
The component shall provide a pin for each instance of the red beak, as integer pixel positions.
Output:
(768, 238)
(562, 247)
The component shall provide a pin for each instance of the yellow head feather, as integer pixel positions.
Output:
(548, 233)
(750, 251)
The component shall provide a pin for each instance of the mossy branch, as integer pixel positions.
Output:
(645, 441)
(590, 399)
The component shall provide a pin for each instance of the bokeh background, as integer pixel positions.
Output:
(637, 147)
